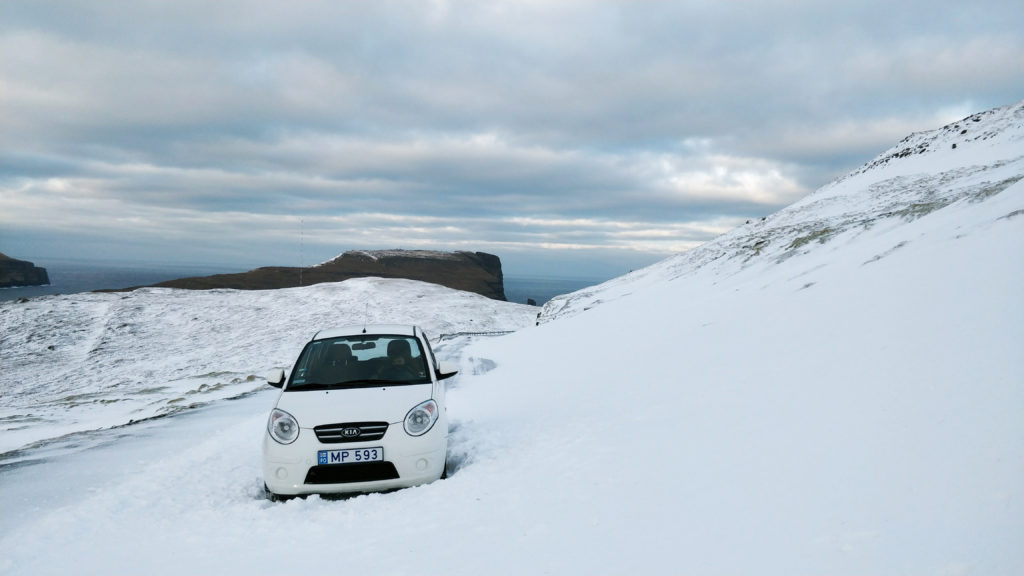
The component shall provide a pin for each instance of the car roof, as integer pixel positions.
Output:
(354, 329)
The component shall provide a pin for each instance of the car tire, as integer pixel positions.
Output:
(272, 496)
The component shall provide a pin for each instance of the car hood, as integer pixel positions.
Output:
(380, 404)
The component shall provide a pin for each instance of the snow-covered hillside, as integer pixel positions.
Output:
(962, 163)
(88, 361)
(834, 390)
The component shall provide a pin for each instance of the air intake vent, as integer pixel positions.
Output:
(348, 473)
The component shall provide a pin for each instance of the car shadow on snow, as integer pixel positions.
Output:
(459, 453)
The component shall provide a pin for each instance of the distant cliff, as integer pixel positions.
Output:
(477, 272)
(15, 272)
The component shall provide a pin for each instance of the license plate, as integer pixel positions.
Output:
(350, 456)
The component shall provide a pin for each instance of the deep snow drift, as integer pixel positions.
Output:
(834, 390)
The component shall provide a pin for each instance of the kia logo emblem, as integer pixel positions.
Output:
(351, 432)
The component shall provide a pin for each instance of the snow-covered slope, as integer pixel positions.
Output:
(834, 390)
(964, 162)
(88, 361)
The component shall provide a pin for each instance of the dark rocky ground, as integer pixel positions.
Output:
(14, 272)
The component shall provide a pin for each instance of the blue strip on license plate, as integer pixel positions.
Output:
(350, 456)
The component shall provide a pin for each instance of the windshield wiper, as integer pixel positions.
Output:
(309, 386)
(360, 383)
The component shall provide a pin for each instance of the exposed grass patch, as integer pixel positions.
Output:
(919, 209)
(820, 236)
(756, 247)
(992, 189)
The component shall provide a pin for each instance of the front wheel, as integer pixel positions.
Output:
(272, 496)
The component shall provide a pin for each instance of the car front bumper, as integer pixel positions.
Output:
(293, 469)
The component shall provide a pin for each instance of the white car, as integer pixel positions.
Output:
(362, 411)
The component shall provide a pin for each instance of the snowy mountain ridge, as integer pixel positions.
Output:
(966, 161)
(980, 131)
(378, 254)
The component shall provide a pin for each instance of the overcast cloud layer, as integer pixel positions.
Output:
(569, 138)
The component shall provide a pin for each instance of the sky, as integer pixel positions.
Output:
(570, 138)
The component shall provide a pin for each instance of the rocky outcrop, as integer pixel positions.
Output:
(477, 272)
(15, 272)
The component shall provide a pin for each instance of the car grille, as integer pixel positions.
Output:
(351, 432)
(346, 473)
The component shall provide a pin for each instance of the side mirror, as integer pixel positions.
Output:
(276, 378)
(446, 370)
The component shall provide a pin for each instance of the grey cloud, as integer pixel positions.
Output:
(668, 115)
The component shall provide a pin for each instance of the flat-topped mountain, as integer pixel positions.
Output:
(14, 272)
(477, 272)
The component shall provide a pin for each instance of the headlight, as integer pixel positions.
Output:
(282, 426)
(421, 418)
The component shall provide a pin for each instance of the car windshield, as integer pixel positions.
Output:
(360, 362)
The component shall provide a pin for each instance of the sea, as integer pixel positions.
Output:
(73, 277)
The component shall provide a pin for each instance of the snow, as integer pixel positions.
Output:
(397, 253)
(834, 390)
